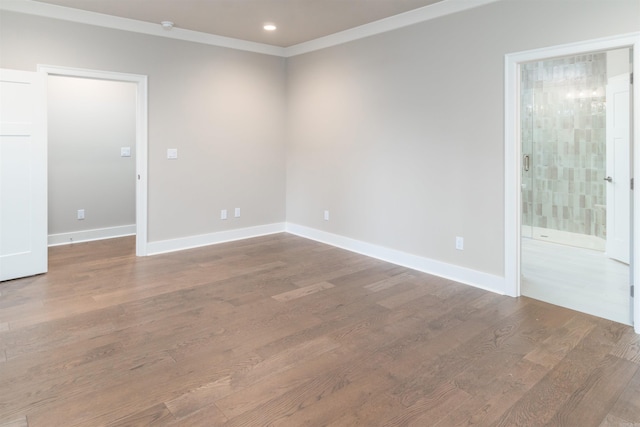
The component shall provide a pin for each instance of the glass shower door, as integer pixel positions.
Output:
(526, 137)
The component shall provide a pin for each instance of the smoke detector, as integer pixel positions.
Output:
(167, 25)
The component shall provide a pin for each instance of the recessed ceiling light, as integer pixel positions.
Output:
(269, 27)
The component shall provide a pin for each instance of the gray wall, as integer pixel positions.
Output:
(88, 122)
(618, 62)
(222, 109)
(400, 135)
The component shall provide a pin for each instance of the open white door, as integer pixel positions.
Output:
(618, 162)
(23, 174)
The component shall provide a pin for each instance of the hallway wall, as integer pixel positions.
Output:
(89, 121)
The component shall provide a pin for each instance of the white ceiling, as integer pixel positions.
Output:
(298, 21)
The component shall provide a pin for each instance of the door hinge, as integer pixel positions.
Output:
(631, 291)
(631, 78)
(632, 183)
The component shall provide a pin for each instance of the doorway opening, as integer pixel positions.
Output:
(560, 199)
(116, 82)
(576, 182)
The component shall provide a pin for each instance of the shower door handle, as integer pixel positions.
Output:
(608, 179)
(526, 163)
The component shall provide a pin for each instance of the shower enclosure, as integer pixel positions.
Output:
(563, 125)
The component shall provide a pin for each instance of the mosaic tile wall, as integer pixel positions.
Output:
(563, 130)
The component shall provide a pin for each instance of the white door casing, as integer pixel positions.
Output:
(141, 136)
(23, 174)
(512, 153)
(618, 166)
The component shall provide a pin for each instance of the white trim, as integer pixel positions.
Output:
(464, 275)
(426, 13)
(115, 22)
(182, 243)
(456, 273)
(90, 235)
(141, 137)
(512, 151)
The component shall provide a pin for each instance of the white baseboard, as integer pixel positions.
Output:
(172, 245)
(464, 275)
(89, 235)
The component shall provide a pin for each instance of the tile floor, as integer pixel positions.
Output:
(576, 278)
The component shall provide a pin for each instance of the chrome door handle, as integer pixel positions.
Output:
(608, 179)
(526, 163)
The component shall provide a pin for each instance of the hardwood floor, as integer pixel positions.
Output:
(283, 331)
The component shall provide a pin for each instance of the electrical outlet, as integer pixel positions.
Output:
(326, 215)
(80, 213)
(172, 153)
(223, 214)
(125, 151)
(236, 213)
(460, 243)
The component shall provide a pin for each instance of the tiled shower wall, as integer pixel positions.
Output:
(563, 131)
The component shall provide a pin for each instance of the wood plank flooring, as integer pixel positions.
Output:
(283, 331)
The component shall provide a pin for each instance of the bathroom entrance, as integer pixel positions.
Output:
(576, 169)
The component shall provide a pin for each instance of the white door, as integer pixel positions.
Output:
(23, 174)
(618, 168)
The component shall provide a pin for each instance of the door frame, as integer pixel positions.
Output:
(141, 137)
(513, 153)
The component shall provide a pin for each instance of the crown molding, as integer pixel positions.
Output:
(422, 14)
(426, 13)
(115, 22)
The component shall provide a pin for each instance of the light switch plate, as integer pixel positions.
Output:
(125, 151)
(172, 153)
